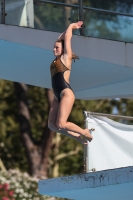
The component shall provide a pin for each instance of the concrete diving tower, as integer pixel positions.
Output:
(105, 68)
(115, 184)
(108, 164)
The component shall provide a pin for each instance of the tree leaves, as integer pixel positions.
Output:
(13, 152)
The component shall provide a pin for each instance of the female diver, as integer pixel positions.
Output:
(63, 94)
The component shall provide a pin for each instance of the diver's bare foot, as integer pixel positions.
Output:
(87, 135)
(80, 140)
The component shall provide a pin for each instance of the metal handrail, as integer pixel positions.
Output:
(57, 3)
(85, 8)
(107, 11)
(79, 6)
(107, 115)
(3, 11)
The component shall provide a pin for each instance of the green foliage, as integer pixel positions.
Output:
(18, 186)
(10, 143)
(125, 108)
(9, 127)
(71, 164)
(38, 108)
(12, 151)
(49, 17)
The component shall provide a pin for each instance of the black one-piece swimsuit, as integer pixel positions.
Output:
(57, 69)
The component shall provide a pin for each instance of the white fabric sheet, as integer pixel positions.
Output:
(112, 144)
(24, 11)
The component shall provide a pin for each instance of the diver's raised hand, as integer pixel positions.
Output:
(77, 25)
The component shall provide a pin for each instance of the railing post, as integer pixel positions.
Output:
(81, 17)
(3, 11)
(86, 148)
(86, 157)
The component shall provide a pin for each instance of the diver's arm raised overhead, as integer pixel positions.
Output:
(68, 36)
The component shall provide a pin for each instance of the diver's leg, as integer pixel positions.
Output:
(52, 123)
(65, 107)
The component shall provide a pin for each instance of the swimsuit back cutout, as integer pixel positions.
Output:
(57, 66)
(57, 69)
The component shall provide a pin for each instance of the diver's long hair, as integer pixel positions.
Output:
(74, 56)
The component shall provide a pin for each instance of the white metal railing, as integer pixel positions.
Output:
(79, 6)
(87, 113)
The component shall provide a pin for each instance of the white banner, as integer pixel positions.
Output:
(112, 144)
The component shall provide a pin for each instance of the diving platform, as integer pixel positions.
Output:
(105, 68)
(114, 184)
(108, 164)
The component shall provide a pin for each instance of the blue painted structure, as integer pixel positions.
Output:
(115, 184)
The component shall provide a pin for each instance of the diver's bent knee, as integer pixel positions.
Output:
(52, 126)
(61, 125)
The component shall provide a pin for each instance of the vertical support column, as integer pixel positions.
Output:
(81, 17)
(86, 147)
(3, 11)
(84, 162)
(86, 159)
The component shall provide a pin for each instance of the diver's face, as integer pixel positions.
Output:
(57, 49)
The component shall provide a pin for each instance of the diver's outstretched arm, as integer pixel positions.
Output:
(67, 38)
(76, 25)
